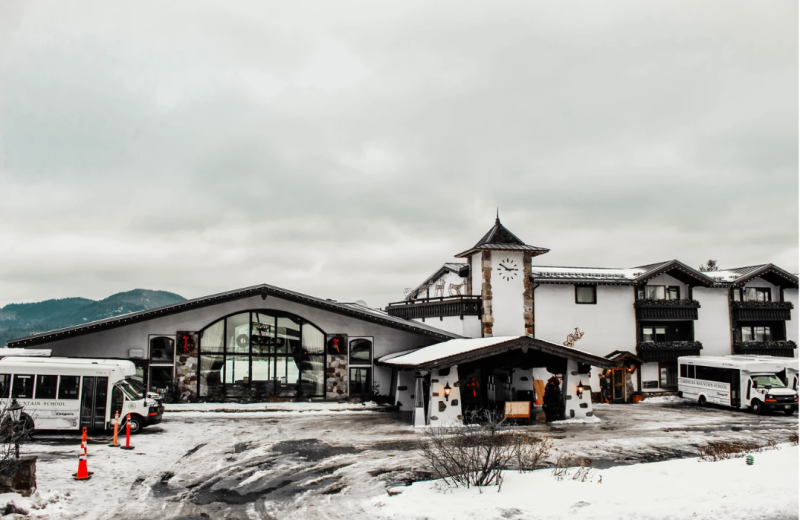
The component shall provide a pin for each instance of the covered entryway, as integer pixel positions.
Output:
(621, 382)
(493, 374)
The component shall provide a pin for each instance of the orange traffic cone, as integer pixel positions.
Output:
(83, 467)
(127, 435)
(115, 444)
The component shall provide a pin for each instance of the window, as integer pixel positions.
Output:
(280, 352)
(69, 387)
(360, 381)
(162, 350)
(22, 387)
(668, 375)
(673, 292)
(719, 375)
(654, 292)
(752, 294)
(585, 294)
(360, 352)
(162, 360)
(5, 379)
(750, 333)
(654, 334)
(46, 387)
(684, 371)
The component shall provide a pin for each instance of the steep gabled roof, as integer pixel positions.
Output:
(770, 272)
(619, 276)
(677, 270)
(348, 309)
(499, 238)
(459, 268)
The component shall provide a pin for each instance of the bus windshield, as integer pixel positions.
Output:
(137, 384)
(130, 392)
(768, 381)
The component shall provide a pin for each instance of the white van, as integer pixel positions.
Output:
(73, 393)
(789, 375)
(741, 383)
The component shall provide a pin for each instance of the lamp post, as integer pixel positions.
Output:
(16, 411)
(447, 391)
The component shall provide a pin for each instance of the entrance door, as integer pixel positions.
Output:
(93, 402)
(736, 387)
(618, 385)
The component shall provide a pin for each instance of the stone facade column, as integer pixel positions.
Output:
(527, 294)
(577, 407)
(404, 392)
(441, 411)
(487, 319)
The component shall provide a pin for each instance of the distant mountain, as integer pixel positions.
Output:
(21, 319)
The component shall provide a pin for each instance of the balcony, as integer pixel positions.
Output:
(666, 351)
(437, 307)
(762, 311)
(781, 348)
(666, 310)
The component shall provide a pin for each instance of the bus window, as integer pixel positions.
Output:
(46, 387)
(684, 372)
(68, 387)
(22, 387)
(5, 379)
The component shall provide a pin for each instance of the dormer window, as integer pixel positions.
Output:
(659, 292)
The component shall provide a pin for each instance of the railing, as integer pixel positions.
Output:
(666, 310)
(437, 307)
(667, 350)
(762, 311)
(780, 348)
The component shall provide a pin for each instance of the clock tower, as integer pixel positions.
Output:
(500, 268)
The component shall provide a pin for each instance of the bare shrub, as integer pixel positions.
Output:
(723, 450)
(564, 462)
(532, 452)
(474, 455)
(793, 438)
(11, 436)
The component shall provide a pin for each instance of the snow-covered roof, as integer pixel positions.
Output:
(456, 350)
(586, 273)
(444, 350)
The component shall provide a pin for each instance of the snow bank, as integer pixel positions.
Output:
(664, 399)
(322, 406)
(584, 420)
(675, 489)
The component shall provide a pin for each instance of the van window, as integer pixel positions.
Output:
(46, 387)
(22, 387)
(5, 379)
(69, 387)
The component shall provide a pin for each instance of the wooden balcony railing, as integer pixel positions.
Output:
(666, 351)
(762, 311)
(781, 348)
(437, 307)
(666, 310)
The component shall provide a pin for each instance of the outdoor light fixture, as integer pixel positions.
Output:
(447, 391)
(580, 389)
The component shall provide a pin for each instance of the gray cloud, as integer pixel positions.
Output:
(346, 149)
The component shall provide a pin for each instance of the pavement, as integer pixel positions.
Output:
(328, 464)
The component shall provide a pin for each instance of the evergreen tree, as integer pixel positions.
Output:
(553, 404)
(711, 265)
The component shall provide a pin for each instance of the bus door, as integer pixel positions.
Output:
(93, 402)
(735, 379)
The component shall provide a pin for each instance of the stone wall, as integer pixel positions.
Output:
(576, 407)
(527, 294)
(186, 365)
(487, 319)
(404, 391)
(336, 376)
(21, 479)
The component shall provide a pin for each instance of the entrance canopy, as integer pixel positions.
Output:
(459, 351)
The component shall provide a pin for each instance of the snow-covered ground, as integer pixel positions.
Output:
(686, 488)
(319, 461)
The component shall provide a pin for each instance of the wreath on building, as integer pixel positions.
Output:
(553, 403)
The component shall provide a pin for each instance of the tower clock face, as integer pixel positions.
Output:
(507, 269)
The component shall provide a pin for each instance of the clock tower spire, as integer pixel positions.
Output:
(500, 264)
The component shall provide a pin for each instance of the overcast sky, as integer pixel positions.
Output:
(348, 149)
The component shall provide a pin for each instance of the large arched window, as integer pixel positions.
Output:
(262, 352)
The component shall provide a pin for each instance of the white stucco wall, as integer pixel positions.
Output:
(469, 327)
(649, 373)
(475, 273)
(507, 296)
(608, 325)
(790, 295)
(713, 325)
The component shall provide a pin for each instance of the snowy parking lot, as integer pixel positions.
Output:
(328, 461)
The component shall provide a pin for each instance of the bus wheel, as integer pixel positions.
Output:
(790, 411)
(136, 424)
(702, 401)
(757, 407)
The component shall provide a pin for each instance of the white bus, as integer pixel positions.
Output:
(790, 366)
(73, 394)
(747, 383)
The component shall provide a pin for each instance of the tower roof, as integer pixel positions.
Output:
(499, 238)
